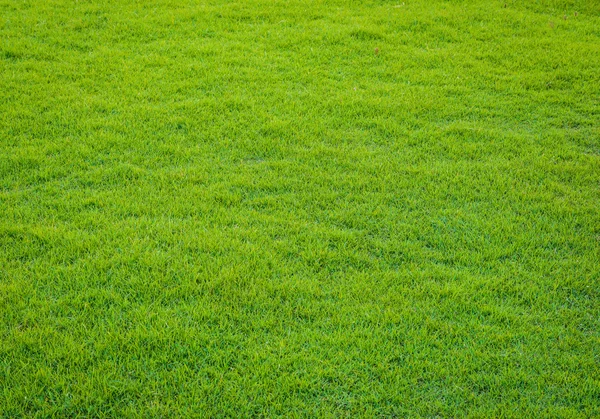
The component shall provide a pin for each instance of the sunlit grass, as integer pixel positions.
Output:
(306, 209)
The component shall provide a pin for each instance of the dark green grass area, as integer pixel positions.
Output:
(300, 209)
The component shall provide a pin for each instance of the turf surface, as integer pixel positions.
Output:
(307, 209)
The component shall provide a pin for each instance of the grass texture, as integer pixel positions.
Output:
(301, 209)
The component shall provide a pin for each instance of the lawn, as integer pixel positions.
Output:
(299, 208)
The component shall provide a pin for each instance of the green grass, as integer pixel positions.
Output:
(305, 209)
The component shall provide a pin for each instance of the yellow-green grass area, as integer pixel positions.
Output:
(299, 208)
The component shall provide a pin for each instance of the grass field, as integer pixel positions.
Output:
(301, 209)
